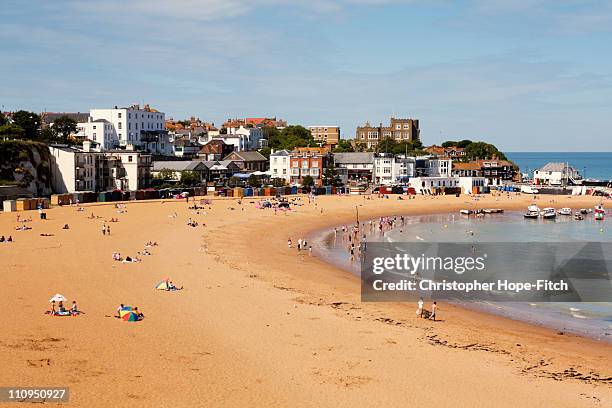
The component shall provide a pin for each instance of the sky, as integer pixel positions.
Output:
(525, 75)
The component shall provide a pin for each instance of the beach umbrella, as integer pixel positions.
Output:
(162, 285)
(128, 316)
(57, 298)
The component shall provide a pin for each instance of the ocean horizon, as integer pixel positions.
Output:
(592, 165)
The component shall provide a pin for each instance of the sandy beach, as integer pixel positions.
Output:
(258, 324)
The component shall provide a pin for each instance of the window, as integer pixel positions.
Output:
(136, 125)
(120, 125)
(129, 115)
(119, 115)
(284, 171)
(406, 126)
(398, 126)
(315, 163)
(304, 164)
(129, 125)
(94, 126)
(130, 159)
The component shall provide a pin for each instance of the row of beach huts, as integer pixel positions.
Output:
(25, 204)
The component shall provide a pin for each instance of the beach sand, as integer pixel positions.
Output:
(259, 324)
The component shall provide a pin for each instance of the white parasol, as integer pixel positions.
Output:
(57, 298)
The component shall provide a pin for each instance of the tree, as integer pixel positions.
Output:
(3, 119)
(64, 126)
(190, 178)
(233, 181)
(11, 131)
(290, 137)
(29, 122)
(254, 181)
(48, 135)
(464, 143)
(277, 182)
(265, 151)
(449, 143)
(307, 181)
(330, 175)
(343, 146)
(482, 150)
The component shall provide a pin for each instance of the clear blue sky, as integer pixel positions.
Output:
(527, 75)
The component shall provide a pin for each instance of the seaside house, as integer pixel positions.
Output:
(497, 172)
(280, 165)
(248, 161)
(354, 166)
(215, 149)
(307, 161)
(177, 167)
(452, 152)
(75, 169)
(557, 174)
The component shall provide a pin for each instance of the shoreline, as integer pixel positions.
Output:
(258, 324)
(338, 260)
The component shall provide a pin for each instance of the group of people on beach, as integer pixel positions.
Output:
(61, 310)
(422, 313)
(302, 245)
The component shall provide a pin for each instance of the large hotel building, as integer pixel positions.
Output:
(401, 130)
(327, 135)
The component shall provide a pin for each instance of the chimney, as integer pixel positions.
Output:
(86, 146)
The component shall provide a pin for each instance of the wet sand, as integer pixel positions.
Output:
(259, 325)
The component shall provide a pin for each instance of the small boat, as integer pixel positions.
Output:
(565, 211)
(549, 213)
(599, 212)
(578, 216)
(493, 211)
(532, 212)
(470, 212)
(585, 210)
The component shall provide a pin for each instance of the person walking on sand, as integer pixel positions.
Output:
(289, 243)
(434, 309)
(103, 229)
(419, 311)
(108, 230)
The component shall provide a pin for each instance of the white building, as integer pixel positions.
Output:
(143, 128)
(74, 169)
(280, 165)
(437, 167)
(100, 132)
(472, 185)
(243, 138)
(429, 185)
(383, 173)
(354, 166)
(556, 174)
(432, 185)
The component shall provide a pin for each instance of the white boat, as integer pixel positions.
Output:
(578, 216)
(565, 211)
(599, 212)
(585, 211)
(470, 212)
(493, 210)
(532, 212)
(548, 213)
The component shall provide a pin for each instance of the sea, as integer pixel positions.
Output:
(587, 319)
(591, 165)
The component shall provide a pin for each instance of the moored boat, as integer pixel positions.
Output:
(549, 213)
(565, 211)
(532, 212)
(493, 210)
(599, 212)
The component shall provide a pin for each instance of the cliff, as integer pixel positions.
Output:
(26, 164)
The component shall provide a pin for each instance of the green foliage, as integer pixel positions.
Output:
(343, 146)
(190, 178)
(330, 175)
(277, 182)
(265, 151)
(29, 122)
(64, 126)
(11, 131)
(233, 182)
(482, 150)
(254, 181)
(464, 143)
(165, 174)
(48, 135)
(290, 137)
(449, 143)
(390, 145)
(307, 181)
(3, 119)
